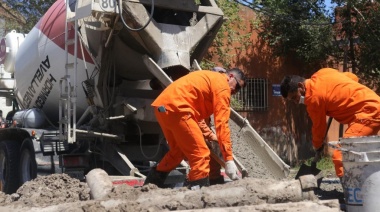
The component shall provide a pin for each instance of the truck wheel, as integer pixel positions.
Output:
(28, 164)
(9, 162)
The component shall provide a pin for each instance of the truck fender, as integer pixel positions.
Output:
(14, 134)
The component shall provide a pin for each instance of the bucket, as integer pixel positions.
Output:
(361, 180)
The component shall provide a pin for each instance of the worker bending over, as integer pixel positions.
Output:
(339, 95)
(178, 110)
(215, 175)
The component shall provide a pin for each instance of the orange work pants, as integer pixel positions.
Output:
(185, 140)
(358, 128)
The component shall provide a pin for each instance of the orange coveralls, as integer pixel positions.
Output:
(188, 100)
(332, 93)
(209, 135)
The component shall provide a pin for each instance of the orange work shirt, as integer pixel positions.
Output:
(332, 93)
(207, 132)
(202, 93)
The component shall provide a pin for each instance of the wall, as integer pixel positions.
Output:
(284, 126)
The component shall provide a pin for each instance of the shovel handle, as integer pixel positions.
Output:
(313, 164)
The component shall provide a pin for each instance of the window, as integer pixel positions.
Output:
(253, 97)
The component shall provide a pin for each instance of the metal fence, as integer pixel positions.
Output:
(253, 97)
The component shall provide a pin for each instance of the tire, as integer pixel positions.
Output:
(28, 164)
(9, 170)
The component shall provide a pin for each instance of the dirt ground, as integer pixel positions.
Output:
(258, 192)
(59, 192)
(261, 191)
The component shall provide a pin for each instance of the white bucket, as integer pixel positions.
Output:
(361, 180)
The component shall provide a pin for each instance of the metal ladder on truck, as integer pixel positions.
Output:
(68, 83)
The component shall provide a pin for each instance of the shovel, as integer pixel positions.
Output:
(312, 169)
(306, 170)
(239, 165)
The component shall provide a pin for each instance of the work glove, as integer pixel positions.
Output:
(319, 154)
(231, 170)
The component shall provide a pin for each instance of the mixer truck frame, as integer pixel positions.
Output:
(81, 83)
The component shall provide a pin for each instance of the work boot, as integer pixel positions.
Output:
(197, 184)
(218, 180)
(156, 177)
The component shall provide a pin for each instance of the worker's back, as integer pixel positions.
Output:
(340, 96)
(196, 93)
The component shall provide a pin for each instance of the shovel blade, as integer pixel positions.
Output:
(306, 170)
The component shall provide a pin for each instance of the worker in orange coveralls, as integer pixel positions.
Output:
(178, 110)
(215, 176)
(339, 95)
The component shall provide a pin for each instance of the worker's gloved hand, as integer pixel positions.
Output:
(231, 170)
(319, 153)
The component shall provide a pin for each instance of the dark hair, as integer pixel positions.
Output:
(237, 73)
(290, 84)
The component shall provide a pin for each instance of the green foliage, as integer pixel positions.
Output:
(229, 41)
(236, 104)
(298, 28)
(207, 64)
(324, 164)
(367, 29)
(32, 11)
(11, 24)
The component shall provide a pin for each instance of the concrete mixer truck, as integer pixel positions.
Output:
(82, 80)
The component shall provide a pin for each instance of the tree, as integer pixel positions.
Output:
(230, 40)
(32, 11)
(300, 28)
(10, 19)
(368, 30)
(364, 38)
